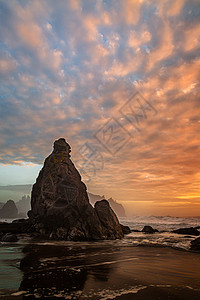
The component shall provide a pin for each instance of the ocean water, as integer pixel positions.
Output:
(140, 266)
(165, 225)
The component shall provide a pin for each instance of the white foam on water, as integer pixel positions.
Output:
(104, 294)
(112, 294)
(167, 223)
(159, 239)
(18, 293)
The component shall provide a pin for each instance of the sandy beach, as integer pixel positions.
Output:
(103, 270)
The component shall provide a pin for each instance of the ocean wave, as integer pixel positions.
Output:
(103, 294)
(165, 239)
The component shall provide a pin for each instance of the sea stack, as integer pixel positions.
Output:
(60, 207)
(9, 210)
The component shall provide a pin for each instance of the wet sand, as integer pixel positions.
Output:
(106, 271)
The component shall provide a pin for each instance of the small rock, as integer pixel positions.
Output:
(19, 221)
(125, 229)
(8, 237)
(195, 244)
(189, 231)
(149, 229)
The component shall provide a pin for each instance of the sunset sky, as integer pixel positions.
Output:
(119, 80)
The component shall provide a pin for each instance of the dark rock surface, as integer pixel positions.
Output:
(189, 231)
(149, 229)
(9, 210)
(20, 221)
(60, 204)
(108, 219)
(195, 244)
(197, 227)
(126, 229)
(8, 237)
(15, 227)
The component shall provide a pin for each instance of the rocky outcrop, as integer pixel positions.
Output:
(108, 219)
(189, 231)
(60, 207)
(149, 229)
(126, 229)
(16, 227)
(9, 210)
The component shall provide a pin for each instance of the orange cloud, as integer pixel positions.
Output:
(132, 11)
(7, 66)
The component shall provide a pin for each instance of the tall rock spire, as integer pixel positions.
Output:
(60, 206)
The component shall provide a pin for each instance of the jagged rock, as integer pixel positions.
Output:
(195, 244)
(149, 229)
(9, 210)
(8, 237)
(116, 207)
(59, 202)
(189, 231)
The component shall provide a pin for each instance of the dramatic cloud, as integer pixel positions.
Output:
(68, 68)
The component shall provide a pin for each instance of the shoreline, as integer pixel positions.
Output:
(105, 270)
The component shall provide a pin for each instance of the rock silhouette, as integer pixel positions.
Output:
(149, 229)
(9, 210)
(60, 207)
(195, 244)
(189, 231)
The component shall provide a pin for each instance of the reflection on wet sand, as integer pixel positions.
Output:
(106, 271)
(50, 270)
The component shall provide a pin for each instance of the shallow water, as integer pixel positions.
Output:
(99, 270)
